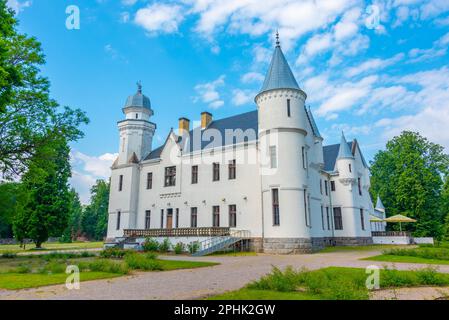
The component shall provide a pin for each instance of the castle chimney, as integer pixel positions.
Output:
(206, 119)
(184, 126)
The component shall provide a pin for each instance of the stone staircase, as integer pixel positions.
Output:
(218, 243)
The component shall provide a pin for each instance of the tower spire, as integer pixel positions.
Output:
(139, 87)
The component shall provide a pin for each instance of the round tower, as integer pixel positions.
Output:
(283, 160)
(136, 131)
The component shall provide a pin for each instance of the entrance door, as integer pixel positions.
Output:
(169, 218)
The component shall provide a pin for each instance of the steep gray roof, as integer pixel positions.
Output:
(379, 205)
(279, 75)
(344, 150)
(244, 121)
(330, 154)
(312, 122)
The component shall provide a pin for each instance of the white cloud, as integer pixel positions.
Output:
(241, 97)
(373, 65)
(163, 18)
(86, 170)
(252, 77)
(438, 49)
(208, 92)
(18, 5)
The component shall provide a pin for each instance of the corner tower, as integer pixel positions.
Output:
(136, 131)
(283, 159)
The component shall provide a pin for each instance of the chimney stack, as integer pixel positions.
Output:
(184, 126)
(206, 119)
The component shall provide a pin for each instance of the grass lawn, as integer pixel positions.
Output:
(332, 283)
(15, 281)
(234, 254)
(405, 259)
(51, 246)
(359, 248)
(252, 294)
(41, 270)
(168, 265)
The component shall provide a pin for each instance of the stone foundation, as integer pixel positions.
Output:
(309, 245)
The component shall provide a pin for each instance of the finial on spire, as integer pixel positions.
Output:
(278, 44)
(139, 87)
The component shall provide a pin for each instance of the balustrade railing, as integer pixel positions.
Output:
(390, 234)
(178, 232)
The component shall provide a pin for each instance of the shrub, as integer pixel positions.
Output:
(277, 280)
(113, 253)
(150, 245)
(193, 247)
(9, 255)
(142, 262)
(179, 248)
(165, 245)
(104, 265)
(54, 267)
(65, 256)
(22, 268)
(151, 255)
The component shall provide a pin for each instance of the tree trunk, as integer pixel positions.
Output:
(38, 245)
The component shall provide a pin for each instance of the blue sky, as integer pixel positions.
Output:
(370, 79)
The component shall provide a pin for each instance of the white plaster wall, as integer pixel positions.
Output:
(391, 240)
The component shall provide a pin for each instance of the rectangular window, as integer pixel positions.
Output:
(332, 185)
(306, 208)
(120, 182)
(328, 220)
(232, 216)
(170, 176)
(350, 168)
(325, 187)
(303, 157)
(362, 219)
(216, 216)
(119, 216)
(147, 219)
(232, 170)
(321, 186)
(359, 183)
(322, 217)
(193, 217)
(194, 174)
(338, 219)
(149, 180)
(275, 200)
(273, 158)
(288, 108)
(216, 171)
(162, 218)
(177, 218)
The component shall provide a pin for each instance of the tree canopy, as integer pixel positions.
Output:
(408, 176)
(28, 116)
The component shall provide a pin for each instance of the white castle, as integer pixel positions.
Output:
(263, 177)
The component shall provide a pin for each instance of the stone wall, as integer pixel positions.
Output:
(306, 245)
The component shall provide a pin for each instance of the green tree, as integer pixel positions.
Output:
(73, 229)
(9, 194)
(28, 116)
(95, 215)
(445, 207)
(408, 178)
(44, 210)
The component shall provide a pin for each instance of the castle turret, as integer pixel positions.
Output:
(345, 161)
(136, 135)
(136, 131)
(284, 164)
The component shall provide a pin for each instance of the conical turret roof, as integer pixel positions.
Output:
(279, 75)
(344, 151)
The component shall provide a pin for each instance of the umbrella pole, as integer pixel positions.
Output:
(400, 226)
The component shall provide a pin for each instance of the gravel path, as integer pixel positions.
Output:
(232, 273)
